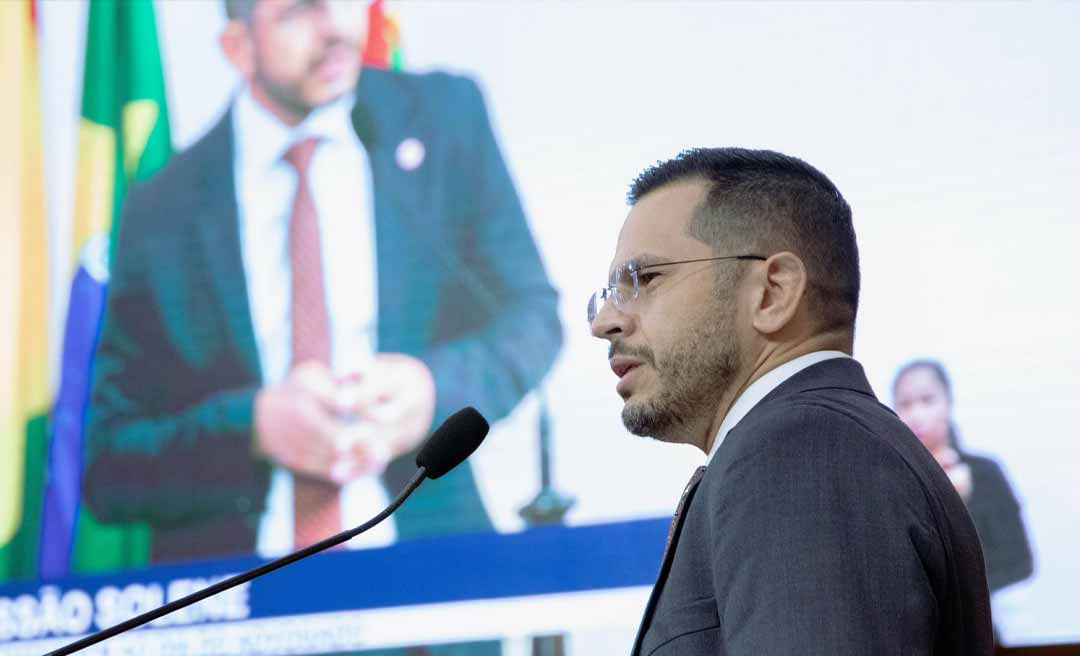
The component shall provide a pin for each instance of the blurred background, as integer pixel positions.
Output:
(948, 127)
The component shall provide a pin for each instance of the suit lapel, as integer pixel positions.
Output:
(677, 523)
(220, 236)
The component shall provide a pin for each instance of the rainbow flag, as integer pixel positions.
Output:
(123, 138)
(383, 46)
(24, 388)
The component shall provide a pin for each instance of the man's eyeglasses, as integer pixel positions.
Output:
(625, 282)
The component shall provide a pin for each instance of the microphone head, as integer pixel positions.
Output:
(452, 442)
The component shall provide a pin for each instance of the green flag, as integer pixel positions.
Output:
(123, 138)
(124, 132)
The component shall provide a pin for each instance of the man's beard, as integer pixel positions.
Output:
(691, 379)
(290, 95)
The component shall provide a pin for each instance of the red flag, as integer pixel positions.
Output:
(382, 49)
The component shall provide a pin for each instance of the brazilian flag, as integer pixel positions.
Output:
(123, 138)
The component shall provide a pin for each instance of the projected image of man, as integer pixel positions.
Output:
(295, 301)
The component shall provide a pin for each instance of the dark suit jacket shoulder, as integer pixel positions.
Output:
(822, 526)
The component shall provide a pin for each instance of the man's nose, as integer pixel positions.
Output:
(609, 322)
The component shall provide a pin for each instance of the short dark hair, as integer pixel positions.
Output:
(763, 202)
(239, 9)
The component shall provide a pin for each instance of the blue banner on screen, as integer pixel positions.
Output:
(487, 576)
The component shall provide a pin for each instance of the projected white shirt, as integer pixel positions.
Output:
(340, 184)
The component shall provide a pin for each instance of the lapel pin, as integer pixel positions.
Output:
(410, 154)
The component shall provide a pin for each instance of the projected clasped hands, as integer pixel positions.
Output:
(337, 428)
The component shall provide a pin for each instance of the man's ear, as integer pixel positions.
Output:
(239, 47)
(783, 287)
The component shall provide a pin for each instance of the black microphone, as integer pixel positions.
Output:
(451, 443)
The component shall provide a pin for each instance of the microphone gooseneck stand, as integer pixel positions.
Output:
(244, 577)
(548, 507)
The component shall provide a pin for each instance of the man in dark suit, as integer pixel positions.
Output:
(820, 524)
(296, 300)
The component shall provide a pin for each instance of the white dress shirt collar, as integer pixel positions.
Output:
(761, 387)
(261, 139)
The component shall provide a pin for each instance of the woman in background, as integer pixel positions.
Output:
(922, 397)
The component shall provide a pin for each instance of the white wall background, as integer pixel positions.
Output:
(951, 129)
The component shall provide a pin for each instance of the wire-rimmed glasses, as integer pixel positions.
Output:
(624, 286)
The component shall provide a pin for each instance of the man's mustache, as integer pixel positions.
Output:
(641, 353)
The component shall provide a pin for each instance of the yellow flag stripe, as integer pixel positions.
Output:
(139, 117)
(23, 264)
(95, 172)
